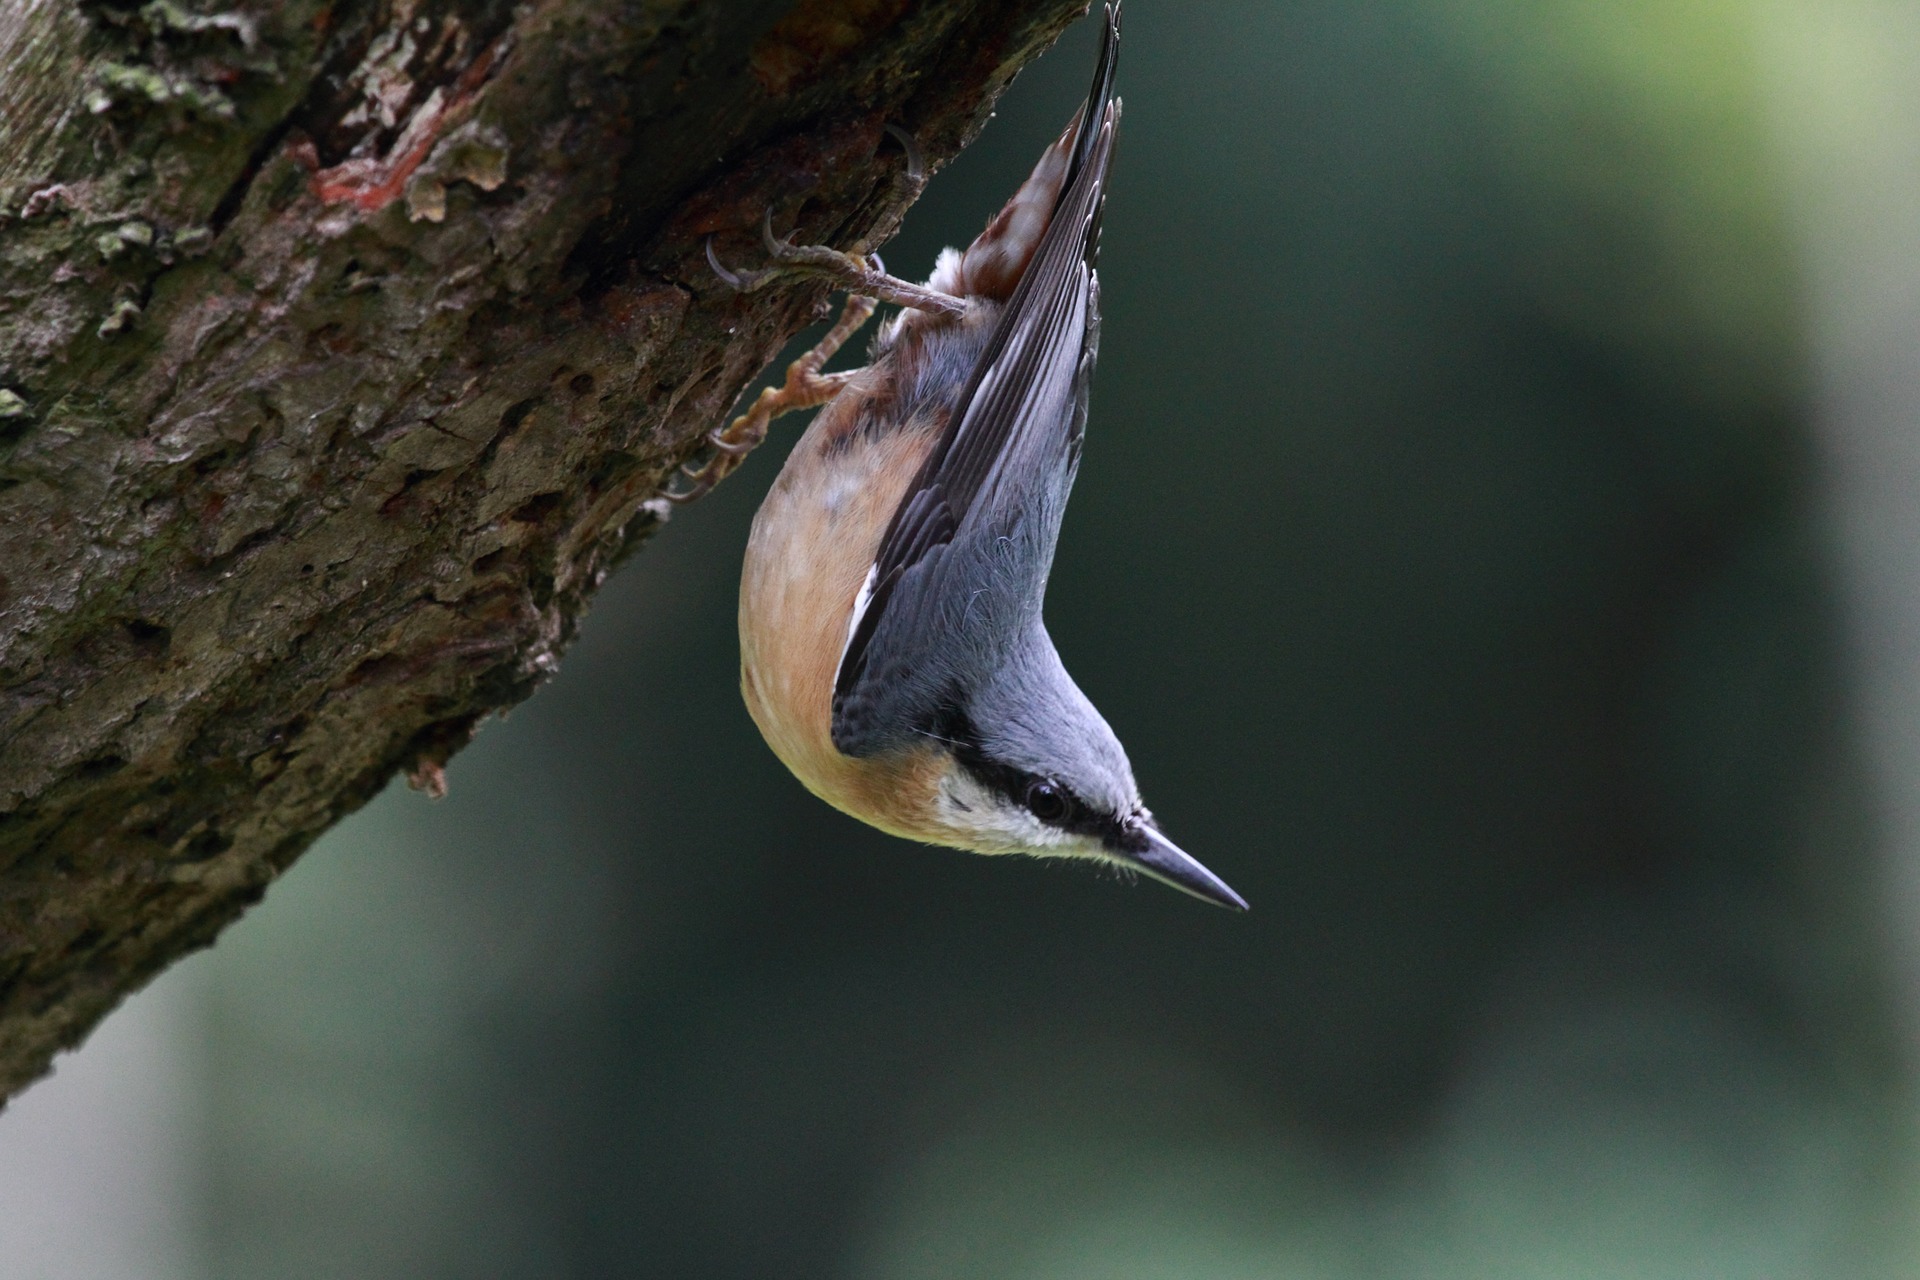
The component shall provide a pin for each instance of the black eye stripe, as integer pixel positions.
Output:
(1016, 786)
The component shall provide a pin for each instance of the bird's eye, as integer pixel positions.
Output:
(1046, 801)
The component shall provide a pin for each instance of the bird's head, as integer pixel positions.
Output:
(1030, 766)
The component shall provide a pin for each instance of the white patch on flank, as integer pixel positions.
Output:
(948, 273)
(860, 603)
(843, 489)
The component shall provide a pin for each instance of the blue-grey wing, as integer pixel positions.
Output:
(962, 569)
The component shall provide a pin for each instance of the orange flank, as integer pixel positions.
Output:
(813, 541)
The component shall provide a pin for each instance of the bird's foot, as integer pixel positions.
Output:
(805, 387)
(862, 274)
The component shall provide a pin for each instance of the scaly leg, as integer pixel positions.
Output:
(804, 388)
(852, 272)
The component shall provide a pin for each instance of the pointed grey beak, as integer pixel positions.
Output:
(1145, 849)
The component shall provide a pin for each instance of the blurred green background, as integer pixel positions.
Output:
(1448, 553)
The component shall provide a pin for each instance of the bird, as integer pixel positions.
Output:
(893, 652)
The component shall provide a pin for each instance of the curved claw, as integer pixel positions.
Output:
(775, 245)
(739, 281)
(728, 278)
(700, 482)
(718, 442)
(916, 162)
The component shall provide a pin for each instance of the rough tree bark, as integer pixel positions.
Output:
(343, 344)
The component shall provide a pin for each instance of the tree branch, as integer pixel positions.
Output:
(342, 346)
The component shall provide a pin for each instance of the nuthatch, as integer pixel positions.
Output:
(892, 648)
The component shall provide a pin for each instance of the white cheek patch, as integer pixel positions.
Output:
(987, 822)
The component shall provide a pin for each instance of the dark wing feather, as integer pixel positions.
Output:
(1021, 396)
